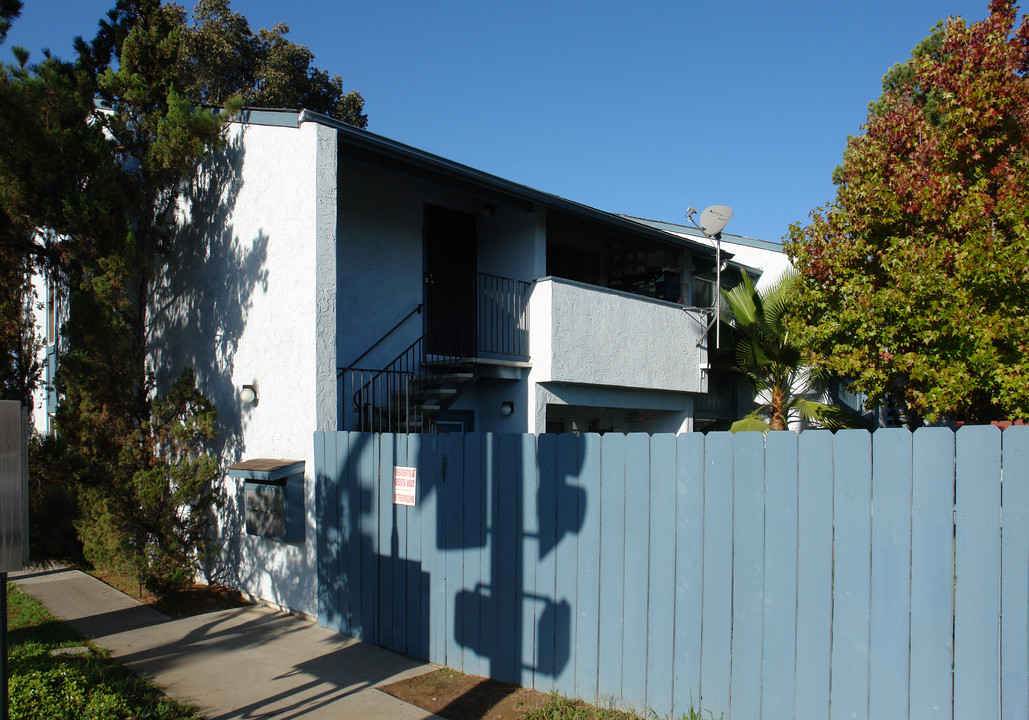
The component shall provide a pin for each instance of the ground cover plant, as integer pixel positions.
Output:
(56, 674)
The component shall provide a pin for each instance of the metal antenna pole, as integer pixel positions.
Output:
(718, 290)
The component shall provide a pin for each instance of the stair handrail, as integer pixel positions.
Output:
(341, 370)
(390, 368)
(376, 378)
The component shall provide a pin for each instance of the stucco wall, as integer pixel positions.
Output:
(250, 301)
(622, 410)
(380, 255)
(582, 334)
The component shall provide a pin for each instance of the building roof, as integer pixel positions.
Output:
(769, 245)
(363, 145)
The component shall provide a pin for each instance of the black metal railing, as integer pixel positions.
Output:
(491, 323)
(502, 316)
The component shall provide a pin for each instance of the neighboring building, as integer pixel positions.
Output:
(330, 279)
(729, 397)
(49, 315)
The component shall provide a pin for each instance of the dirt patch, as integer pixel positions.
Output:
(194, 599)
(199, 599)
(456, 696)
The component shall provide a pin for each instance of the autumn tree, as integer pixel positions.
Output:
(914, 277)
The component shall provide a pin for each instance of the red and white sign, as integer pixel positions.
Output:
(404, 485)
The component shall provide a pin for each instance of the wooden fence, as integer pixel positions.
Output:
(812, 576)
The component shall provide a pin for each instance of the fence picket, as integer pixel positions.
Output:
(488, 570)
(748, 564)
(815, 452)
(1014, 583)
(546, 559)
(507, 560)
(387, 538)
(417, 573)
(612, 561)
(661, 593)
(977, 576)
(364, 483)
(566, 561)
(689, 570)
(587, 603)
(528, 543)
(399, 552)
(473, 517)
(780, 577)
(715, 662)
(329, 545)
(452, 480)
(634, 588)
(932, 574)
(852, 497)
(432, 497)
(888, 652)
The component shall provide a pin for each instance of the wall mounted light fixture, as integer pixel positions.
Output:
(248, 394)
(506, 408)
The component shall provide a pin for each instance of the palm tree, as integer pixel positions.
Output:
(771, 361)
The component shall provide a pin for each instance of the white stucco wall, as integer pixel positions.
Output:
(584, 334)
(254, 303)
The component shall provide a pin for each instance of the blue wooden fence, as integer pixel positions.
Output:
(812, 576)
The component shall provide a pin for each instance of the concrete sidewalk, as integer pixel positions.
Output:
(243, 663)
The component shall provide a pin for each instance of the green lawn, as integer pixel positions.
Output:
(55, 674)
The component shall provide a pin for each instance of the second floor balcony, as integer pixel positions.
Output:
(586, 334)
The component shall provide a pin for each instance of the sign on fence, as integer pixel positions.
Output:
(404, 485)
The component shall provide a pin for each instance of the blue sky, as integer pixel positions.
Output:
(643, 108)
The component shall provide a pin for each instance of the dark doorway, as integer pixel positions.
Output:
(450, 264)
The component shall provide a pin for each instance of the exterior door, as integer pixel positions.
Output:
(450, 263)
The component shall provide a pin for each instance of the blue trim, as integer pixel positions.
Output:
(274, 118)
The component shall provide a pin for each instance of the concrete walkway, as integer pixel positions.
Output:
(244, 663)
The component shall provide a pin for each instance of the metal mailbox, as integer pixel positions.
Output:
(273, 497)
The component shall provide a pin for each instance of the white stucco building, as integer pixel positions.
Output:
(350, 282)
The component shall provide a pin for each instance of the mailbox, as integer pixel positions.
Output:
(273, 497)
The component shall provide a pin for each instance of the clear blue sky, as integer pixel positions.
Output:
(642, 108)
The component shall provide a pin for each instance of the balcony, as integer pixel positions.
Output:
(586, 334)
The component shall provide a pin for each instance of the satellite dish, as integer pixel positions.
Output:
(714, 219)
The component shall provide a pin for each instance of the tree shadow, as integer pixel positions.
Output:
(475, 576)
(203, 293)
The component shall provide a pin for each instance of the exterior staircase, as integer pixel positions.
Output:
(485, 330)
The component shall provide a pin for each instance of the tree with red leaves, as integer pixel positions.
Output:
(915, 279)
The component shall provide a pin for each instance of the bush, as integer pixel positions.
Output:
(151, 521)
(53, 503)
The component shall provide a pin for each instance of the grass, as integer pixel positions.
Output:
(54, 673)
(559, 708)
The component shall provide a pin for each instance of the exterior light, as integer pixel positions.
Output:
(248, 395)
(506, 408)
